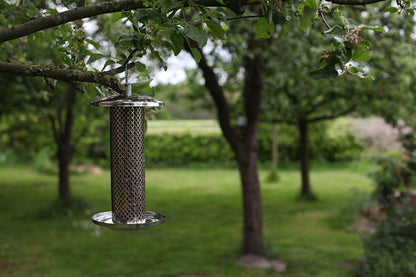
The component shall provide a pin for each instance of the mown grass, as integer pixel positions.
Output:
(183, 126)
(202, 234)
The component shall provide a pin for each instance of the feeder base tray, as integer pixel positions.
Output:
(106, 219)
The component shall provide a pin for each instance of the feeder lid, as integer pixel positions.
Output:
(128, 100)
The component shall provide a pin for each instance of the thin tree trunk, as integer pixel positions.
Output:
(275, 157)
(64, 159)
(304, 158)
(63, 136)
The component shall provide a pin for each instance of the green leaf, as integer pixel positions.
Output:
(337, 41)
(374, 28)
(263, 28)
(215, 28)
(169, 7)
(196, 54)
(366, 43)
(141, 67)
(63, 58)
(131, 17)
(93, 43)
(361, 54)
(307, 17)
(322, 61)
(313, 4)
(196, 34)
(341, 19)
(177, 42)
(300, 8)
(141, 86)
(354, 69)
(156, 54)
(328, 72)
(107, 63)
(213, 14)
(95, 57)
(391, 9)
(115, 17)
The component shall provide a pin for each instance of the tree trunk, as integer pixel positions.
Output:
(275, 158)
(64, 159)
(248, 153)
(245, 146)
(306, 191)
(63, 135)
(252, 206)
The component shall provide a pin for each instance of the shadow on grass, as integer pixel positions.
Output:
(309, 197)
(273, 177)
(58, 208)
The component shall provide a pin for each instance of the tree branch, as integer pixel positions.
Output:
(119, 69)
(217, 94)
(321, 13)
(49, 21)
(46, 22)
(53, 20)
(67, 75)
(333, 116)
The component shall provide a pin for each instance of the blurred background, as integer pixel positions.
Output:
(336, 159)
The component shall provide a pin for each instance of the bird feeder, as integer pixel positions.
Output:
(128, 196)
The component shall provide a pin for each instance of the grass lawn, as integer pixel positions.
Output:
(202, 234)
(181, 126)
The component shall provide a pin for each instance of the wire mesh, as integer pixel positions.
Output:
(127, 128)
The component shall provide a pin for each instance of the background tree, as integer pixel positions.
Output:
(293, 97)
(39, 98)
(244, 145)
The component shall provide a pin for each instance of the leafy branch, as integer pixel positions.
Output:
(67, 75)
(355, 2)
(53, 20)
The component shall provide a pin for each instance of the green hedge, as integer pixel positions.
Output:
(182, 148)
(342, 146)
(185, 148)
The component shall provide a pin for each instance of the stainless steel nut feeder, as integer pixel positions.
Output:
(128, 196)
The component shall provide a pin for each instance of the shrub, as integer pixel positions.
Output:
(185, 148)
(391, 250)
(357, 204)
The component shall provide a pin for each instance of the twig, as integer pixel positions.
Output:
(321, 13)
(243, 17)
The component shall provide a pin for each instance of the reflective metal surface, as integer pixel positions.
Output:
(128, 100)
(150, 219)
(128, 195)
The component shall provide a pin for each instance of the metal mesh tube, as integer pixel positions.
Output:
(128, 199)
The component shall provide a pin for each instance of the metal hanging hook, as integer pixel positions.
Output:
(126, 73)
(128, 92)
